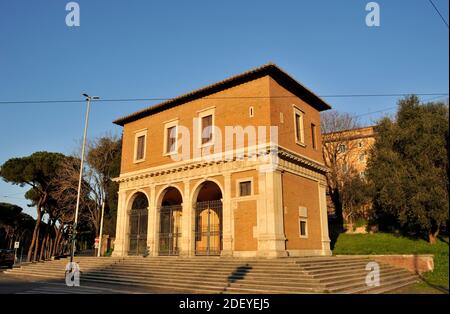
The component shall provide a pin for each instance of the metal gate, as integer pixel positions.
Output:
(208, 228)
(170, 229)
(138, 231)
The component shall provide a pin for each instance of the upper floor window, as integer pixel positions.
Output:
(140, 145)
(206, 120)
(206, 129)
(298, 124)
(170, 137)
(313, 136)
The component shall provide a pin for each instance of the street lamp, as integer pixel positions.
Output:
(88, 99)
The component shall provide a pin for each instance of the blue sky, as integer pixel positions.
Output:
(160, 49)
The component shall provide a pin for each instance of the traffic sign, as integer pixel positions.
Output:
(16, 244)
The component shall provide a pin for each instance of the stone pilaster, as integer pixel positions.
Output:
(121, 237)
(271, 239)
(324, 220)
(227, 218)
(186, 222)
(152, 227)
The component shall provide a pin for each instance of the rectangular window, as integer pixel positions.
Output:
(171, 139)
(303, 231)
(139, 145)
(207, 129)
(299, 130)
(313, 136)
(245, 188)
(303, 222)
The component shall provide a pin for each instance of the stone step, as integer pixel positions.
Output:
(228, 275)
(211, 287)
(333, 282)
(334, 266)
(237, 277)
(210, 266)
(330, 270)
(331, 262)
(240, 268)
(323, 275)
(346, 288)
(192, 288)
(242, 276)
(185, 263)
(209, 281)
(398, 284)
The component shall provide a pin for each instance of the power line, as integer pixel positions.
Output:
(438, 12)
(395, 107)
(48, 101)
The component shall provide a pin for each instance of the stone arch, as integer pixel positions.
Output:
(207, 204)
(169, 203)
(137, 213)
(163, 191)
(198, 185)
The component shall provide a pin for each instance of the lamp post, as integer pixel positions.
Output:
(88, 99)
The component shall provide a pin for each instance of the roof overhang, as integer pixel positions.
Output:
(280, 76)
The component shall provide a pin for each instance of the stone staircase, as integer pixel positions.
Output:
(228, 275)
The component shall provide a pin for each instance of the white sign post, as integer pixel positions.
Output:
(16, 246)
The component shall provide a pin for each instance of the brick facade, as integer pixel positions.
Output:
(205, 193)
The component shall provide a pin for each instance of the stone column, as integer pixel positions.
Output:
(271, 239)
(227, 218)
(121, 226)
(324, 219)
(186, 222)
(152, 235)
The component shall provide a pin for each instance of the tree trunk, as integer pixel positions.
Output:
(35, 234)
(55, 243)
(432, 236)
(36, 245)
(44, 242)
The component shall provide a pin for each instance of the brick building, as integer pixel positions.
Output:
(186, 189)
(346, 153)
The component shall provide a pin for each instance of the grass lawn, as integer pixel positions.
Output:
(384, 243)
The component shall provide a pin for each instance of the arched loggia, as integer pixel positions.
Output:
(138, 220)
(208, 219)
(170, 211)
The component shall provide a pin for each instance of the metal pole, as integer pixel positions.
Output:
(101, 230)
(79, 181)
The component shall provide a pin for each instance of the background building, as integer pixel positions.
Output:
(346, 154)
